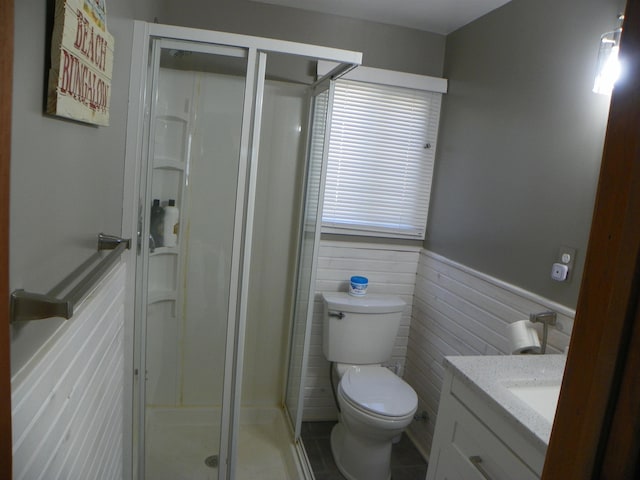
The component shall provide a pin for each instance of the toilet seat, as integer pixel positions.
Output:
(377, 391)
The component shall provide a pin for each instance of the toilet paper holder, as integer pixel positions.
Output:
(546, 318)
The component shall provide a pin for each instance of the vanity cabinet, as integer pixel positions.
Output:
(474, 439)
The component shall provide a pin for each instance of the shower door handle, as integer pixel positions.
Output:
(339, 315)
(152, 243)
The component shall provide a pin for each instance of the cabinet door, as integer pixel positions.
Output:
(453, 466)
(468, 450)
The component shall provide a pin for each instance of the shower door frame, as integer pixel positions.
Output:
(245, 194)
(136, 168)
(317, 89)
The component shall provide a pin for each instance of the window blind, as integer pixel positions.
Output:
(380, 162)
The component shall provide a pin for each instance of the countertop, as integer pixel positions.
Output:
(488, 376)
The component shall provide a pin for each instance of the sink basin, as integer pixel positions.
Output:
(541, 396)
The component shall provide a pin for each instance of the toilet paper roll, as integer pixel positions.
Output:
(523, 338)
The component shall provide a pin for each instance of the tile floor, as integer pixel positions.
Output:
(406, 461)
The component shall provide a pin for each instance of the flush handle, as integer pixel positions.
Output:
(339, 315)
(476, 461)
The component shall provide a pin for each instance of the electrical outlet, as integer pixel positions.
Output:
(567, 257)
(559, 272)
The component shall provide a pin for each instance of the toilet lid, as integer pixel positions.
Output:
(380, 391)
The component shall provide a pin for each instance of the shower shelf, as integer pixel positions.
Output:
(162, 296)
(168, 164)
(165, 251)
(173, 117)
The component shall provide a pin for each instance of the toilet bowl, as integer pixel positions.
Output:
(375, 406)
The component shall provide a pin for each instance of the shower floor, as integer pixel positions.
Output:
(179, 441)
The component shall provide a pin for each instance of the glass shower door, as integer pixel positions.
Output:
(309, 242)
(197, 161)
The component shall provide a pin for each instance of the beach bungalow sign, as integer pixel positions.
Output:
(81, 62)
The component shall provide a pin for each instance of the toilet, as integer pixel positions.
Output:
(376, 405)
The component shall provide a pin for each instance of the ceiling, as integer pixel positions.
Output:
(439, 16)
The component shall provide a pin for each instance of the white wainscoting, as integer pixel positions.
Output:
(459, 311)
(67, 405)
(391, 269)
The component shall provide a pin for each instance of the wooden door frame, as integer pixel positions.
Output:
(6, 92)
(595, 433)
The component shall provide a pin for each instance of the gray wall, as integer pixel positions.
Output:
(520, 142)
(383, 46)
(66, 177)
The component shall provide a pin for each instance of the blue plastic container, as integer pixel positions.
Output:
(358, 286)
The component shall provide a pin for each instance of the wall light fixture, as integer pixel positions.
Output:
(608, 67)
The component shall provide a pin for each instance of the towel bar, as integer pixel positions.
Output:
(35, 306)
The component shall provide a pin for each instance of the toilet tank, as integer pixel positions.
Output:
(367, 330)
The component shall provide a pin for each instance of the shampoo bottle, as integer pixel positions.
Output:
(171, 215)
(156, 224)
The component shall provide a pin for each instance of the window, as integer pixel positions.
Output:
(381, 155)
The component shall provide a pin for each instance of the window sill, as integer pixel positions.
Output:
(370, 239)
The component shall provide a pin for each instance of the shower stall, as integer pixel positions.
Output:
(230, 164)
